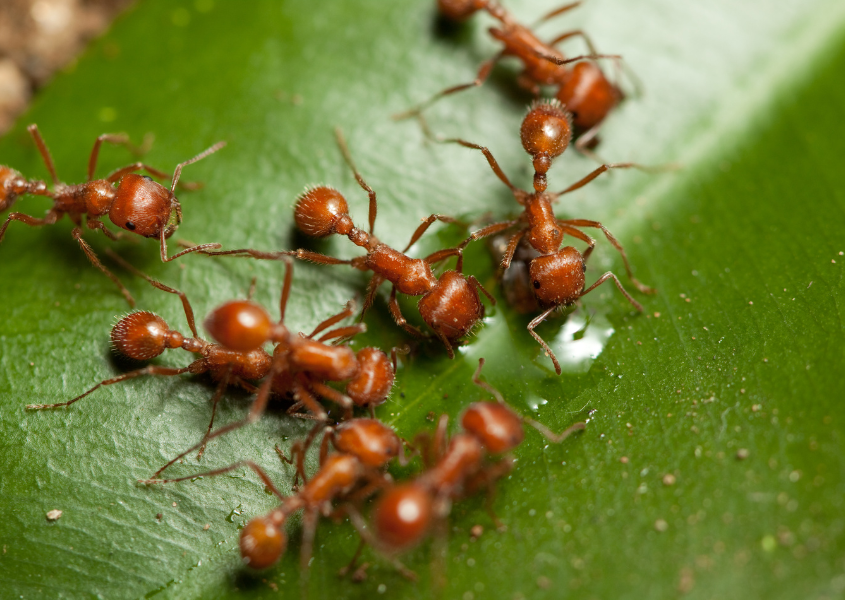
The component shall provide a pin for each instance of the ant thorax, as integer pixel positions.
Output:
(411, 276)
(544, 234)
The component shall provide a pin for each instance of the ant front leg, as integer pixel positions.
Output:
(367, 537)
(303, 395)
(112, 138)
(487, 232)
(396, 313)
(554, 13)
(494, 164)
(45, 153)
(49, 219)
(97, 224)
(329, 393)
(218, 393)
(89, 252)
(118, 174)
(372, 289)
(348, 311)
(625, 293)
(149, 370)
(480, 77)
(243, 463)
(536, 321)
(615, 243)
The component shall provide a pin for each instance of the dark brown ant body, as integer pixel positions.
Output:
(556, 274)
(133, 202)
(449, 304)
(364, 447)
(582, 87)
(406, 513)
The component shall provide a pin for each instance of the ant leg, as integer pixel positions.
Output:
(200, 248)
(301, 394)
(604, 278)
(97, 224)
(218, 393)
(149, 370)
(477, 285)
(441, 255)
(356, 576)
(604, 168)
(186, 304)
(576, 32)
(566, 61)
(45, 153)
(347, 156)
(283, 300)
(309, 531)
(554, 13)
(241, 463)
(441, 435)
(343, 332)
(536, 321)
(50, 218)
(577, 233)
(615, 243)
(178, 171)
(491, 160)
(487, 231)
(396, 312)
(112, 138)
(329, 393)
(346, 312)
(424, 227)
(118, 174)
(550, 435)
(513, 243)
(363, 530)
(480, 77)
(442, 337)
(89, 252)
(372, 288)
(251, 291)
(486, 386)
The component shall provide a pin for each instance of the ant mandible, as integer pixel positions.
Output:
(557, 274)
(406, 513)
(449, 304)
(583, 88)
(354, 472)
(137, 204)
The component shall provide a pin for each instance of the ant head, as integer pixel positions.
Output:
(402, 516)
(588, 95)
(143, 335)
(374, 379)
(141, 205)
(452, 307)
(369, 440)
(458, 10)
(322, 211)
(262, 543)
(240, 325)
(558, 279)
(497, 427)
(546, 131)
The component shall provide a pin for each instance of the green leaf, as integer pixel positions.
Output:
(739, 355)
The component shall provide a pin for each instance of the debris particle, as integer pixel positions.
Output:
(624, 460)
(750, 302)
(661, 525)
(206, 527)
(159, 516)
(54, 515)
(657, 315)
(741, 390)
(756, 407)
(174, 505)
(476, 531)
(742, 454)
(544, 582)
(669, 479)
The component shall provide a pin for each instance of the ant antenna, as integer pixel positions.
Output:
(178, 172)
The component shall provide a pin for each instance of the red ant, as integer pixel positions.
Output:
(137, 204)
(582, 88)
(406, 513)
(143, 335)
(450, 304)
(300, 364)
(364, 447)
(557, 274)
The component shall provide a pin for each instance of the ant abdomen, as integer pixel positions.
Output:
(402, 516)
(143, 335)
(372, 383)
(452, 307)
(13, 184)
(558, 279)
(262, 543)
(141, 205)
(239, 325)
(497, 427)
(458, 10)
(322, 211)
(588, 95)
(369, 440)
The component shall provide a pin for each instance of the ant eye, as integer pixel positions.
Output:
(147, 177)
(536, 285)
(130, 225)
